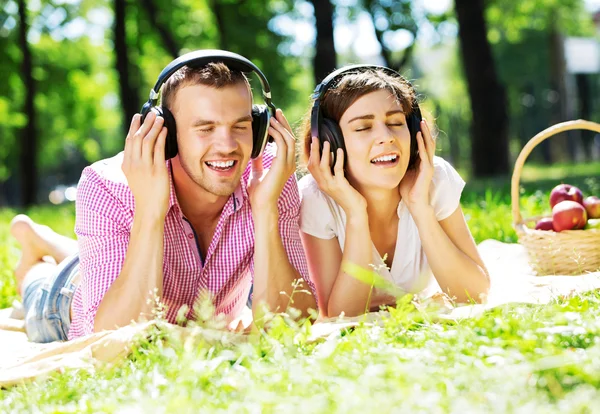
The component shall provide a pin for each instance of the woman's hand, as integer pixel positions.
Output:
(414, 187)
(334, 185)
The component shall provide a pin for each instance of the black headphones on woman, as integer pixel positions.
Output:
(261, 114)
(326, 129)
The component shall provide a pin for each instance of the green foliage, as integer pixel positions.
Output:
(511, 19)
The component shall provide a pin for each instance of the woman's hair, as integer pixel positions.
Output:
(347, 90)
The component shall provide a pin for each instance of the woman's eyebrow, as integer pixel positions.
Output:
(370, 116)
(356, 118)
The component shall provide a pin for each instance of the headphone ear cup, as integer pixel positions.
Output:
(145, 111)
(260, 128)
(169, 123)
(414, 126)
(331, 132)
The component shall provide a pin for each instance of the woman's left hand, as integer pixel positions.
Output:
(414, 187)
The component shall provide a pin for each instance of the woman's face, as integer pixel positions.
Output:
(377, 141)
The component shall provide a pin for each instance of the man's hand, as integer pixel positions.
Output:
(144, 164)
(265, 187)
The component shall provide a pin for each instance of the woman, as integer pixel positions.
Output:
(381, 192)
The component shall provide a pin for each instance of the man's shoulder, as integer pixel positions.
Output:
(107, 169)
(105, 176)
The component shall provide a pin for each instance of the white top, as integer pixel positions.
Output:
(322, 217)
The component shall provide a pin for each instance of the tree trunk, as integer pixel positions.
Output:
(386, 53)
(325, 60)
(163, 30)
(28, 147)
(219, 13)
(559, 143)
(489, 134)
(585, 112)
(129, 102)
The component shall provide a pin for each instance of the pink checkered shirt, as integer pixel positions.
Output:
(104, 218)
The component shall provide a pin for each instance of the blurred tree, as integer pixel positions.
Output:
(390, 17)
(489, 151)
(169, 41)
(527, 38)
(233, 20)
(325, 59)
(84, 48)
(128, 93)
(28, 145)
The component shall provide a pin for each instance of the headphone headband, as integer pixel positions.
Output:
(329, 79)
(203, 57)
(261, 114)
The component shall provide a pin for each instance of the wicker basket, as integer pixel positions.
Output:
(569, 252)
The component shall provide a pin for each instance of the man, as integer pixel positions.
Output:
(206, 221)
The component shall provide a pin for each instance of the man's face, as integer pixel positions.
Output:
(214, 135)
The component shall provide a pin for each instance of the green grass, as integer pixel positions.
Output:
(517, 358)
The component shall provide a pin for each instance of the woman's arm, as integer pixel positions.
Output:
(452, 255)
(338, 291)
(448, 244)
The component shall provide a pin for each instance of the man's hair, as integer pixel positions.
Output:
(215, 74)
(347, 90)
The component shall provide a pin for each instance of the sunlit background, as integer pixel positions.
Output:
(75, 71)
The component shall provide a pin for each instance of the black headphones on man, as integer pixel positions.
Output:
(326, 129)
(261, 114)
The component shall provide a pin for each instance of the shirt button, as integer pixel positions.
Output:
(190, 236)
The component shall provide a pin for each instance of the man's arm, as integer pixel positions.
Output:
(111, 300)
(280, 271)
(131, 295)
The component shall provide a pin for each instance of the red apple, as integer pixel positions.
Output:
(565, 192)
(544, 224)
(568, 215)
(592, 206)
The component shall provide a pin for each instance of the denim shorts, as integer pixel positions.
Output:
(47, 302)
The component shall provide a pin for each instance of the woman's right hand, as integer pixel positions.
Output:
(334, 185)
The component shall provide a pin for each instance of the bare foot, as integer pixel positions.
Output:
(38, 244)
(22, 229)
(42, 239)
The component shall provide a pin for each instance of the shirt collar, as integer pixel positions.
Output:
(172, 195)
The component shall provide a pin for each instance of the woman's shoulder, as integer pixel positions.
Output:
(309, 189)
(316, 217)
(442, 167)
(444, 173)
(447, 187)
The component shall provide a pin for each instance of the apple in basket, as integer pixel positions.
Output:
(568, 215)
(565, 192)
(592, 206)
(544, 224)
